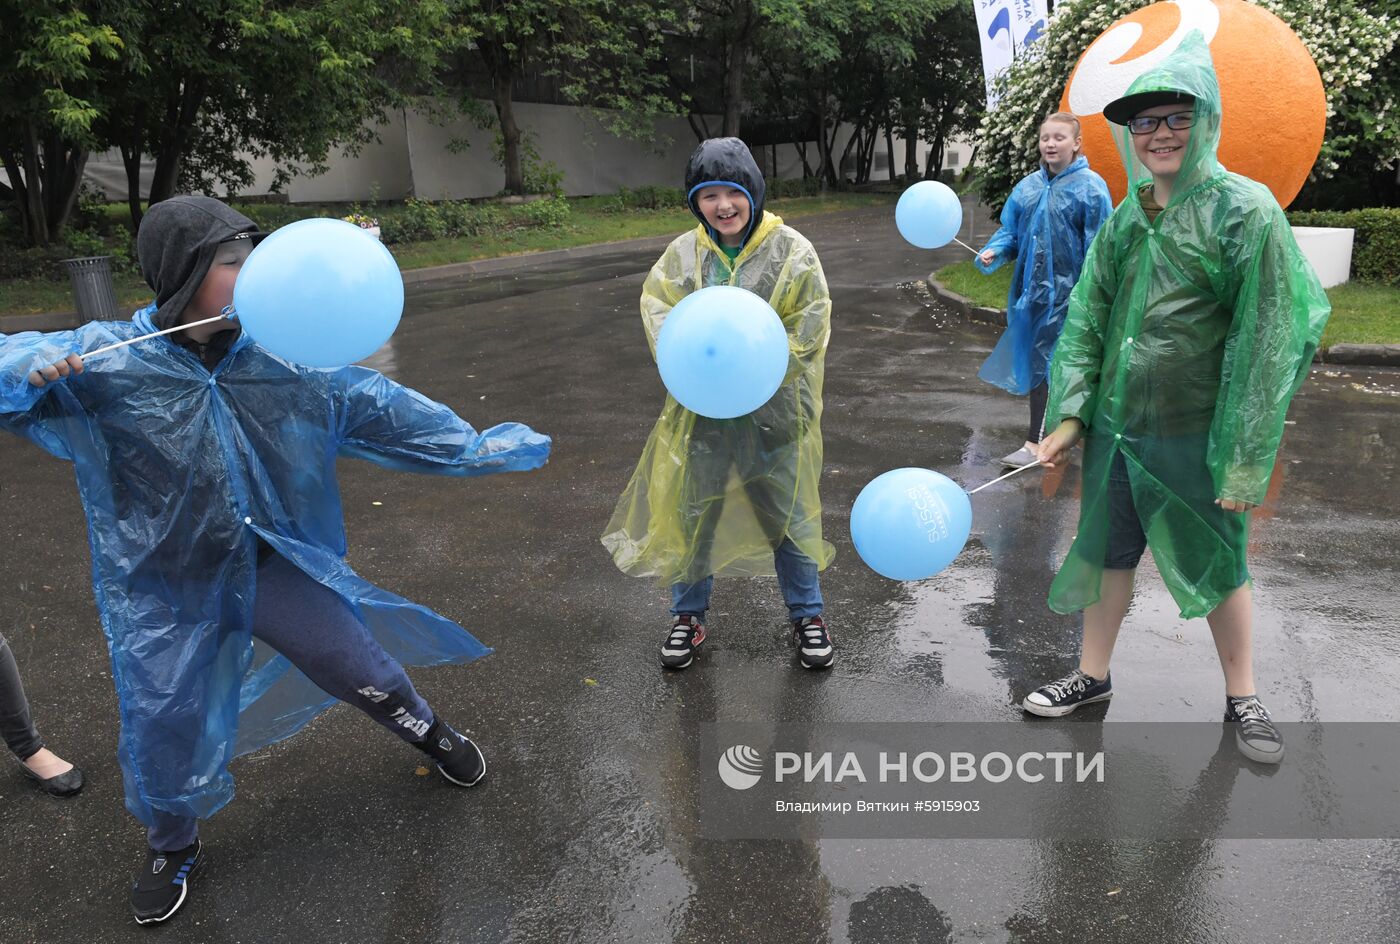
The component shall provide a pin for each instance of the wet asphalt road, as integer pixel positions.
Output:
(585, 830)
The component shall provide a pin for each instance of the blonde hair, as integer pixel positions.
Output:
(1067, 118)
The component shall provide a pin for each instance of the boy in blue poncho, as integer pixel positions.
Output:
(206, 467)
(1046, 226)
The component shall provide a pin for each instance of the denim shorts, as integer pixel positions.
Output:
(1126, 540)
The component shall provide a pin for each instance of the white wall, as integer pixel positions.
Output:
(412, 158)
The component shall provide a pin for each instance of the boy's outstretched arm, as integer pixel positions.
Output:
(805, 308)
(1279, 313)
(393, 426)
(31, 365)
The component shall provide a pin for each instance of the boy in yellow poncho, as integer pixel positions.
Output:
(1192, 326)
(736, 496)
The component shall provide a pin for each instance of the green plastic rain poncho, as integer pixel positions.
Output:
(1185, 340)
(718, 496)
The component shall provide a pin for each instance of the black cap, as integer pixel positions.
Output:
(176, 244)
(1121, 110)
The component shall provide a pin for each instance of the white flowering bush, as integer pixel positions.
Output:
(1348, 43)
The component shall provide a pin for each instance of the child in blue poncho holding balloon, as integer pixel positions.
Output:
(206, 467)
(1046, 226)
(734, 496)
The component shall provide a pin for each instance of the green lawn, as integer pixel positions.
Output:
(1362, 312)
(590, 222)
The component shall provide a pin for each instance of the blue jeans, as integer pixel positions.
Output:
(797, 578)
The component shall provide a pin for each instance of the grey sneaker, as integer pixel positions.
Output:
(1073, 691)
(1020, 457)
(1256, 737)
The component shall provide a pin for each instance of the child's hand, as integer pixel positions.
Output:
(1234, 504)
(988, 257)
(72, 364)
(1054, 449)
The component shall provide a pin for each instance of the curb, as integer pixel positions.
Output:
(966, 306)
(1355, 355)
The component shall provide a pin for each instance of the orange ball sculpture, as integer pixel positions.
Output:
(1275, 109)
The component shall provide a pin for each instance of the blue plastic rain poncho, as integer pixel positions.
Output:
(180, 471)
(1186, 339)
(718, 496)
(1046, 226)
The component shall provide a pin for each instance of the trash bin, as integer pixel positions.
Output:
(93, 289)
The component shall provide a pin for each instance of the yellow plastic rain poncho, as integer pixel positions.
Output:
(1185, 340)
(718, 496)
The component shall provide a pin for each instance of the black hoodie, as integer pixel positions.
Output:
(725, 161)
(176, 245)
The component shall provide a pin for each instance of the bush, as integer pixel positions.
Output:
(797, 187)
(1375, 254)
(650, 197)
(418, 220)
(549, 214)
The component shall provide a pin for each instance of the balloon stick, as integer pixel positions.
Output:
(228, 313)
(964, 245)
(1006, 476)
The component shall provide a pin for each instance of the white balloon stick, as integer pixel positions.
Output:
(964, 245)
(227, 313)
(1006, 476)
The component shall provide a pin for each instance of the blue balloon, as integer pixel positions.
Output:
(929, 214)
(722, 351)
(323, 293)
(909, 524)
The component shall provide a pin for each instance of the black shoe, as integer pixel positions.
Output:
(1073, 691)
(458, 758)
(163, 882)
(814, 648)
(684, 637)
(64, 785)
(1256, 737)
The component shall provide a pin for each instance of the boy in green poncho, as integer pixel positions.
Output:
(1192, 326)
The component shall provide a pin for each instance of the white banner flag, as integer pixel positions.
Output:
(1006, 27)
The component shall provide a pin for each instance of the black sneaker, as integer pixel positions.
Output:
(1256, 737)
(458, 758)
(1073, 691)
(814, 647)
(685, 636)
(163, 882)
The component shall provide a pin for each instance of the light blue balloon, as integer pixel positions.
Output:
(323, 293)
(928, 214)
(722, 352)
(909, 524)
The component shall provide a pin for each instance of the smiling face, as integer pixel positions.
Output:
(1059, 144)
(216, 291)
(726, 211)
(1161, 151)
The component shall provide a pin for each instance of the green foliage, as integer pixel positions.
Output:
(424, 220)
(539, 175)
(551, 213)
(649, 197)
(778, 188)
(1375, 253)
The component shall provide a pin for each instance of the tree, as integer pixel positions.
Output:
(52, 62)
(942, 91)
(210, 83)
(603, 52)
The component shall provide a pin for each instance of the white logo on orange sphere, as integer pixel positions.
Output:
(1275, 110)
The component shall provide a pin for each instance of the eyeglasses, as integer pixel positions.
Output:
(1178, 121)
